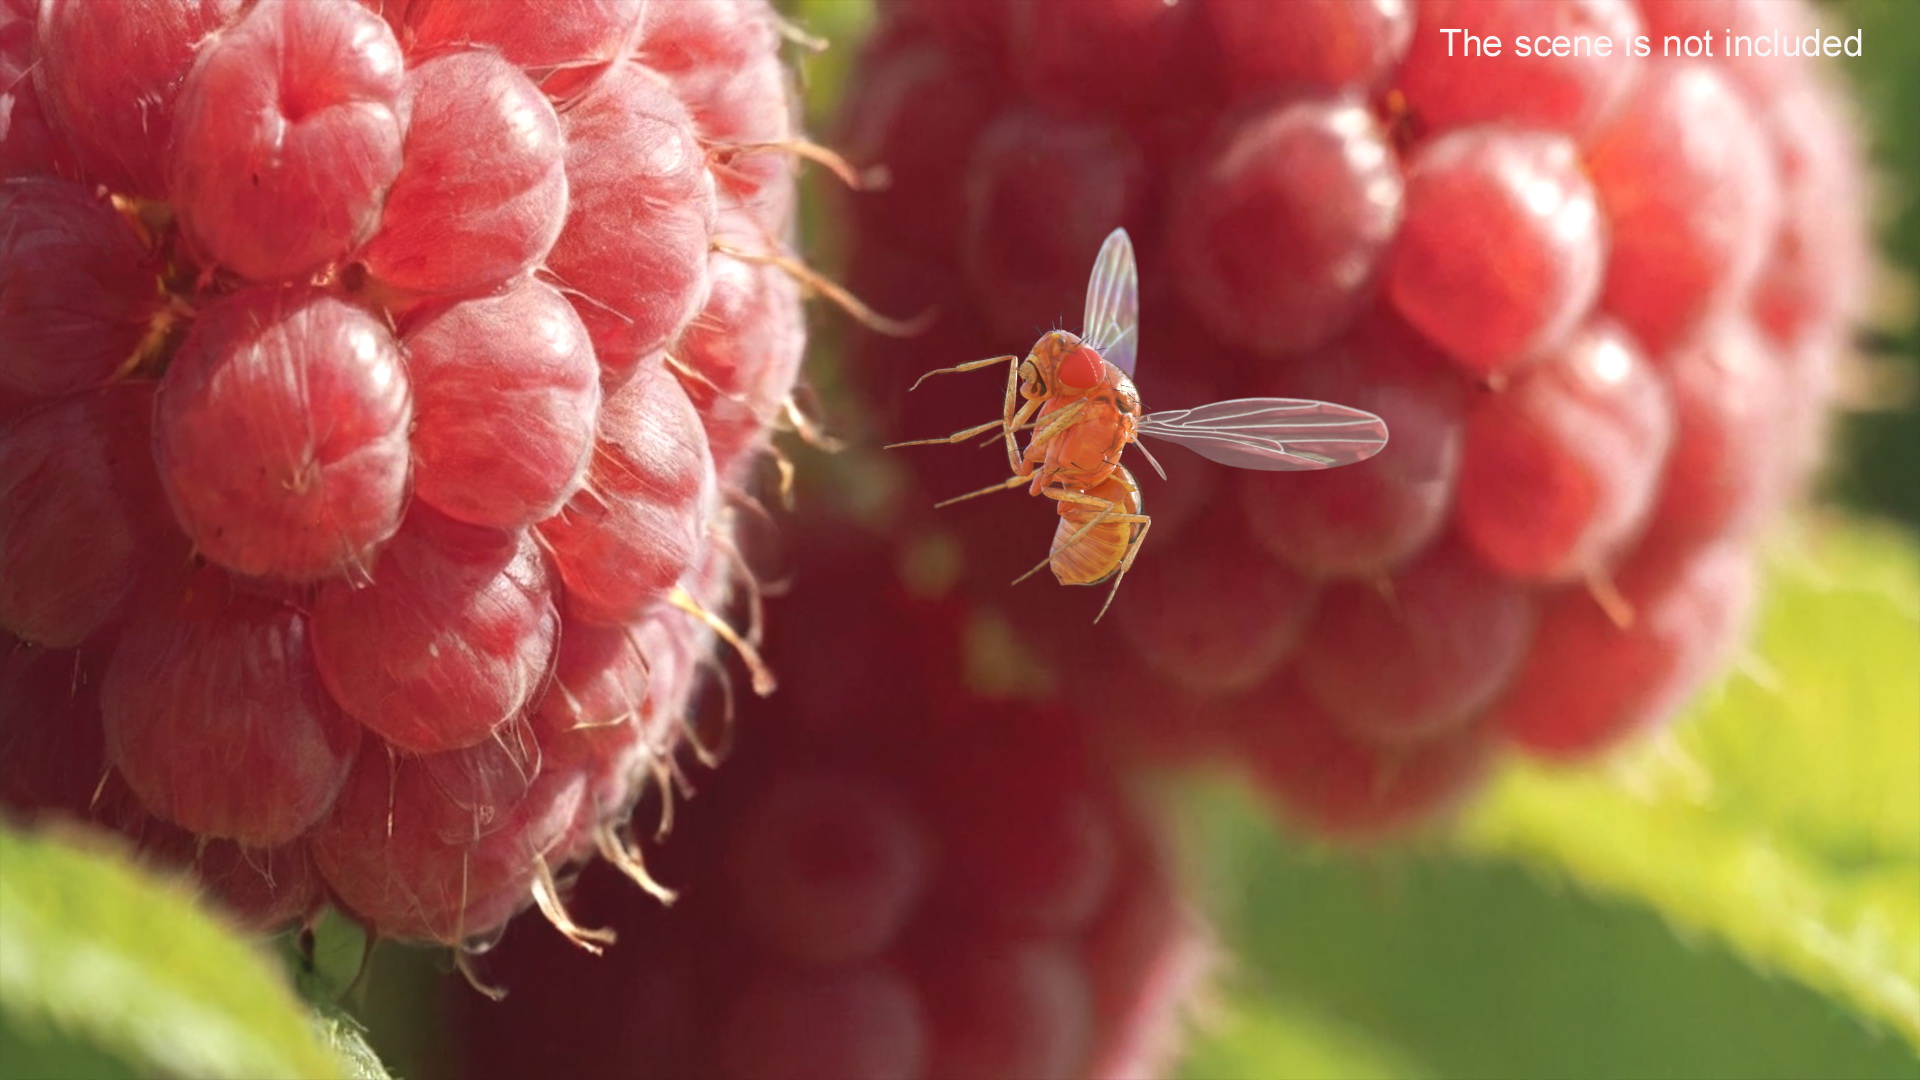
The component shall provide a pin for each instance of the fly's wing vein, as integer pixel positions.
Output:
(1272, 434)
(1112, 322)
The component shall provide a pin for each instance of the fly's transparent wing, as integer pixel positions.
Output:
(1272, 434)
(1112, 324)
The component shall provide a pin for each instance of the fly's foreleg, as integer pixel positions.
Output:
(1009, 411)
(971, 365)
(1016, 420)
(956, 437)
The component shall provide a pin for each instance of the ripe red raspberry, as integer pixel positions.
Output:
(1598, 300)
(889, 877)
(375, 383)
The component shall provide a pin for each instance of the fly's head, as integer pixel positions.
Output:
(1040, 371)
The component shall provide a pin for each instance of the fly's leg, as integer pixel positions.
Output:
(971, 365)
(1054, 425)
(1107, 513)
(1126, 563)
(1057, 423)
(1006, 416)
(956, 437)
(1016, 420)
(1133, 545)
(1021, 421)
(1008, 484)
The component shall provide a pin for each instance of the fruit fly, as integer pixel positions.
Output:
(1075, 394)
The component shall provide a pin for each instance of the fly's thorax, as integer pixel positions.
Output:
(1126, 405)
(1119, 488)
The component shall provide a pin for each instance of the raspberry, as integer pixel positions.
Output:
(1022, 171)
(641, 215)
(1588, 681)
(82, 514)
(363, 540)
(972, 894)
(263, 133)
(211, 688)
(453, 640)
(1365, 522)
(26, 147)
(746, 306)
(109, 82)
(1314, 179)
(1570, 94)
(629, 535)
(1323, 43)
(1599, 301)
(1559, 470)
(1534, 258)
(502, 427)
(1442, 678)
(281, 434)
(1696, 239)
(462, 218)
(76, 289)
(52, 752)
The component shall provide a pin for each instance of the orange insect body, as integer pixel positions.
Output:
(1093, 429)
(1092, 543)
(1075, 394)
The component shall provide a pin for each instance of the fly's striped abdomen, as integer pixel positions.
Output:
(1089, 547)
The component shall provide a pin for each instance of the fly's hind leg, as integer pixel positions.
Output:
(1126, 563)
(1133, 544)
(1108, 512)
(1008, 484)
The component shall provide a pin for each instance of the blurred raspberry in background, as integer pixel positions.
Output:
(1601, 302)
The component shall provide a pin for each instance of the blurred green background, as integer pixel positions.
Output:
(1741, 899)
(1881, 449)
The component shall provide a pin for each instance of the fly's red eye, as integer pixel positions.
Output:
(1081, 369)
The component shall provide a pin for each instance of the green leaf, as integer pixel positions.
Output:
(343, 1035)
(1404, 964)
(1257, 1035)
(1783, 818)
(107, 971)
(1733, 899)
